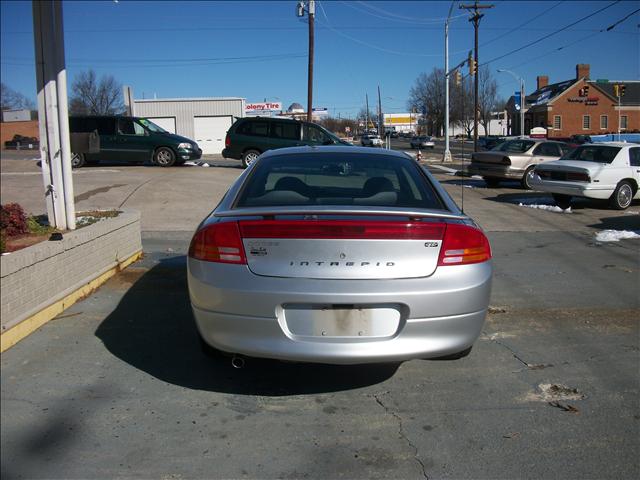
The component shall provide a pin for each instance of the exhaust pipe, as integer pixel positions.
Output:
(237, 362)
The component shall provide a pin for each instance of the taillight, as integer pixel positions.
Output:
(463, 245)
(219, 242)
(578, 177)
(227, 140)
(341, 229)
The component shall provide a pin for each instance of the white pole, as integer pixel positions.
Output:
(522, 103)
(51, 113)
(44, 146)
(619, 113)
(447, 151)
(63, 119)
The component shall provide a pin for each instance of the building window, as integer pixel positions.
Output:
(557, 122)
(586, 122)
(623, 122)
(604, 122)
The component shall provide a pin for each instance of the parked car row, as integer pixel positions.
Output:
(605, 171)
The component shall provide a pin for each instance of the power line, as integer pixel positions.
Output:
(519, 27)
(375, 47)
(397, 18)
(551, 34)
(580, 40)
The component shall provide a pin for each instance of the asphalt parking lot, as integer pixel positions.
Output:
(116, 387)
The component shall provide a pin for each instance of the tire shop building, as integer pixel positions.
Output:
(580, 106)
(205, 120)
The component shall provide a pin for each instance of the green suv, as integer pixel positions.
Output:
(249, 137)
(132, 139)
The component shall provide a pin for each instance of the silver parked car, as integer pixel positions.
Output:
(422, 142)
(515, 160)
(340, 255)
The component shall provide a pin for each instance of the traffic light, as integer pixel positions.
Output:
(473, 67)
(458, 78)
(616, 90)
(622, 89)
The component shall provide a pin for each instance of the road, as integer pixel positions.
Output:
(117, 387)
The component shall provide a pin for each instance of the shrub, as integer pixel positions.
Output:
(13, 221)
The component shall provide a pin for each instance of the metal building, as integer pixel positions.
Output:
(205, 120)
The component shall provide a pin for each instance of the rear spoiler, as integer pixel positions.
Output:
(338, 210)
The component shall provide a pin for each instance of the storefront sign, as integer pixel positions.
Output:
(586, 101)
(263, 107)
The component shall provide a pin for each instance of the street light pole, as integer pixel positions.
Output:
(522, 100)
(447, 151)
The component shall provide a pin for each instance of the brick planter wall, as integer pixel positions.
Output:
(37, 277)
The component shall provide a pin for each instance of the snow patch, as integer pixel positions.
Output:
(196, 164)
(548, 208)
(615, 235)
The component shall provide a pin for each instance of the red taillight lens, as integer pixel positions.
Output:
(219, 242)
(341, 229)
(463, 245)
(578, 177)
(227, 140)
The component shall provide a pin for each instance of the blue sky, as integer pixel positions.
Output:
(257, 50)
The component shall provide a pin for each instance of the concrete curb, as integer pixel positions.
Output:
(29, 325)
(39, 282)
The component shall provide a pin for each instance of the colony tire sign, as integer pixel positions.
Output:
(263, 107)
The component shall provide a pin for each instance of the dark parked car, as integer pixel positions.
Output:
(20, 142)
(132, 139)
(249, 137)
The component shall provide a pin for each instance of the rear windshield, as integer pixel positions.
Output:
(593, 153)
(338, 179)
(515, 146)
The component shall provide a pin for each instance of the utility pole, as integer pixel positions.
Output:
(475, 18)
(310, 7)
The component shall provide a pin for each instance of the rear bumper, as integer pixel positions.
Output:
(238, 312)
(495, 170)
(228, 153)
(573, 189)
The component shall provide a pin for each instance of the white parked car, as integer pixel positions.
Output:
(371, 141)
(603, 171)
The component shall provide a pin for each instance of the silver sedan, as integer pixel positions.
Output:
(339, 255)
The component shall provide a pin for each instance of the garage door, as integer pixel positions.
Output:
(210, 132)
(168, 123)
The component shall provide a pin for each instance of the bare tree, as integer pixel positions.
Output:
(12, 100)
(427, 95)
(487, 97)
(91, 96)
(338, 125)
(362, 118)
(461, 105)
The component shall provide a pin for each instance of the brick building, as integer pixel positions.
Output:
(579, 106)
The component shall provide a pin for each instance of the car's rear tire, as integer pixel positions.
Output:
(164, 157)
(526, 178)
(562, 201)
(77, 160)
(491, 182)
(622, 196)
(249, 157)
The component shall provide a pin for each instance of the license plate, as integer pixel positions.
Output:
(338, 321)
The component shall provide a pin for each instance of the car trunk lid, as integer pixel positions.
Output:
(342, 249)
